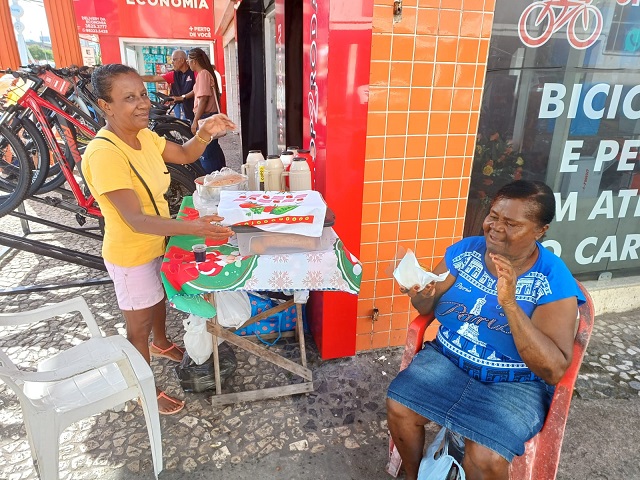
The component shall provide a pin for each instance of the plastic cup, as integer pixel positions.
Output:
(205, 210)
(200, 252)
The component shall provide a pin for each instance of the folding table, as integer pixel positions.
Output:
(190, 286)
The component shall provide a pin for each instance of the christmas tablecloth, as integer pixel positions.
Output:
(225, 269)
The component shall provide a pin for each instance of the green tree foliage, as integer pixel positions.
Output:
(39, 53)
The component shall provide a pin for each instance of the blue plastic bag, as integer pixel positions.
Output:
(278, 323)
(437, 464)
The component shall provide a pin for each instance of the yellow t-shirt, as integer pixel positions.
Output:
(106, 168)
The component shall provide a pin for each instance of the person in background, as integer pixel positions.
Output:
(181, 80)
(124, 167)
(507, 313)
(206, 103)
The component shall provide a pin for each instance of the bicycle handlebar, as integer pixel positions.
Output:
(26, 73)
(70, 71)
(162, 96)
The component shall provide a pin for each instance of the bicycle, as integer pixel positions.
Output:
(47, 174)
(67, 127)
(54, 113)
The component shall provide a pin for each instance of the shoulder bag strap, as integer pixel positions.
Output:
(216, 91)
(144, 184)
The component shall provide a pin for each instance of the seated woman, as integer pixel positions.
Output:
(508, 314)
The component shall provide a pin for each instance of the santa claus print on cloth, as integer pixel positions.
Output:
(185, 275)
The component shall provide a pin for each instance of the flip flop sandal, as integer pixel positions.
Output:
(163, 353)
(172, 400)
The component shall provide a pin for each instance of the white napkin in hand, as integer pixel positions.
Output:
(409, 273)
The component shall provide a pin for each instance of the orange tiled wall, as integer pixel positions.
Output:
(427, 75)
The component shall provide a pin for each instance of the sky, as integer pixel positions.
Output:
(34, 19)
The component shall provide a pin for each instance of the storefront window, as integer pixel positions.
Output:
(562, 104)
(625, 31)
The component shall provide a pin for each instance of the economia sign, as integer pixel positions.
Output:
(175, 19)
(171, 3)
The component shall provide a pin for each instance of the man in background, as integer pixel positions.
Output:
(181, 79)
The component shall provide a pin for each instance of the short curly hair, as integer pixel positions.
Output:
(102, 79)
(536, 192)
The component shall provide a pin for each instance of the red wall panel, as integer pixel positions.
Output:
(337, 56)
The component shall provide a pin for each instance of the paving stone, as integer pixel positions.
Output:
(346, 411)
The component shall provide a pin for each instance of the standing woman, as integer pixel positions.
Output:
(124, 166)
(206, 103)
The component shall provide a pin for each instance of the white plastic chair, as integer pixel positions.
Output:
(99, 374)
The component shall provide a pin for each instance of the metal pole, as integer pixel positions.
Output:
(46, 288)
(64, 228)
(53, 251)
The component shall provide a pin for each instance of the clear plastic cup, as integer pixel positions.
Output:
(200, 252)
(205, 210)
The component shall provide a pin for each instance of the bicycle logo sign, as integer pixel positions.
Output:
(540, 20)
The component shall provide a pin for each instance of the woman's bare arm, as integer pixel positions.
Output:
(128, 206)
(214, 127)
(544, 341)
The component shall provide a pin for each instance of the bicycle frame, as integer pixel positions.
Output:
(32, 101)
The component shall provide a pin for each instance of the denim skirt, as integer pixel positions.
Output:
(501, 416)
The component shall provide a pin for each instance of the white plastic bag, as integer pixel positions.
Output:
(233, 308)
(197, 341)
(437, 463)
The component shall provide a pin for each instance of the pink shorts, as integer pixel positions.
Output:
(137, 287)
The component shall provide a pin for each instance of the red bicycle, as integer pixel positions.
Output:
(51, 117)
(63, 133)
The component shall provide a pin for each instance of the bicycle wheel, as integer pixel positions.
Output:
(56, 177)
(578, 37)
(173, 131)
(181, 185)
(180, 134)
(15, 171)
(195, 169)
(536, 28)
(37, 151)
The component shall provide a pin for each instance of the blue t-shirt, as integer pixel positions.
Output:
(474, 327)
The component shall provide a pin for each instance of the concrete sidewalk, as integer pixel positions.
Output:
(336, 432)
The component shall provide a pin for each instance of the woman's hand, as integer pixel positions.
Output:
(209, 226)
(216, 126)
(507, 280)
(128, 205)
(422, 299)
(415, 292)
(213, 127)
